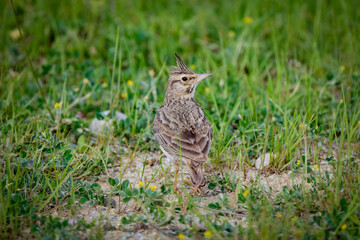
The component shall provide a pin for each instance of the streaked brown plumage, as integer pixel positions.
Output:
(180, 125)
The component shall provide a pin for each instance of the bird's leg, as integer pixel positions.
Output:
(176, 167)
(195, 190)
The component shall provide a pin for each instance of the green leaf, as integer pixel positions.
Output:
(124, 220)
(34, 228)
(343, 204)
(59, 145)
(95, 185)
(123, 193)
(214, 205)
(135, 191)
(67, 155)
(211, 185)
(127, 199)
(82, 143)
(182, 219)
(34, 217)
(83, 200)
(128, 192)
(112, 182)
(125, 184)
(99, 116)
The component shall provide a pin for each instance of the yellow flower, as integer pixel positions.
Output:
(317, 127)
(151, 72)
(192, 67)
(105, 84)
(302, 126)
(153, 187)
(359, 123)
(341, 100)
(231, 34)
(123, 95)
(315, 167)
(208, 234)
(248, 20)
(141, 184)
(342, 68)
(343, 227)
(279, 216)
(130, 83)
(15, 34)
(298, 232)
(57, 105)
(297, 162)
(207, 90)
(85, 81)
(293, 219)
(146, 98)
(246, 192)
(181, 236)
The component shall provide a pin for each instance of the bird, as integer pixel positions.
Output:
(181, 127)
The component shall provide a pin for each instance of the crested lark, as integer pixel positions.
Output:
(180, 125)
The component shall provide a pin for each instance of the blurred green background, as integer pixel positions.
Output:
(268, 58)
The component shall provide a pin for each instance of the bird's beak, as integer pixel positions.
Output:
(203, 76)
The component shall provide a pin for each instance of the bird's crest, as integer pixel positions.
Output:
(181, 68)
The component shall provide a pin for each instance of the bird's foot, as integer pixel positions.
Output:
(176, 189)
(195, 191)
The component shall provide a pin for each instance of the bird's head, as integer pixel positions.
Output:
(182, 81)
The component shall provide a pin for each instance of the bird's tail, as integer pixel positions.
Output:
(196, 173)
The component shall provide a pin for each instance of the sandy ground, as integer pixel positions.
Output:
(161, 172)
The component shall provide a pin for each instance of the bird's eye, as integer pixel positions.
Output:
(184, 79)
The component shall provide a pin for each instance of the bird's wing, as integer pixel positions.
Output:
(188, 142)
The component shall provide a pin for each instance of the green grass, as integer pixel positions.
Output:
(282, 84)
